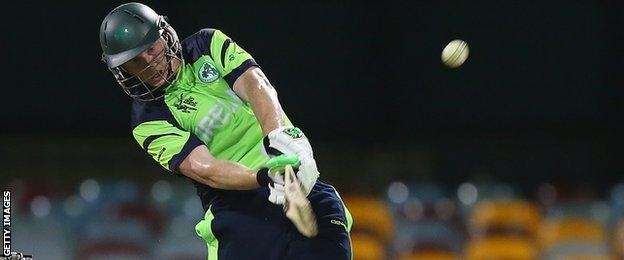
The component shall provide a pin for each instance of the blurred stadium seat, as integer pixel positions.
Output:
(180, 242)
(563, 192)
(47, 237)
(433, 255)
(367, 247)
(469, 193)
(427, 235)
(617, 207)
(371, 216)
(502, 216)
(576, 250)
(501, 247)
(583, 257)
(586, 209)
(122, 220)
(427, 221)
(556, 231)
(618, 239)
(112, 250)
(108, 231)
(428, 193)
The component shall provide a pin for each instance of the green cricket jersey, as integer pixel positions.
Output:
(200, 107)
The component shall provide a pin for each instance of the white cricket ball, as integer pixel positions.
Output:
(455, 53)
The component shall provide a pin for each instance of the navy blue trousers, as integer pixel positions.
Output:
(245, 225)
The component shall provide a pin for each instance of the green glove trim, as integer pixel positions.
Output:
(278, 163)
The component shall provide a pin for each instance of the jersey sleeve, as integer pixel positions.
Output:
(230, 58)
(161, 136)
(165, 143)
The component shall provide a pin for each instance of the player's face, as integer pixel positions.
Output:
(150, 65)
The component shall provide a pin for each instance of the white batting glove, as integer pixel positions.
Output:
(274, 181)
(307, 174)
(276, 193)
(275, 169)
(290, 140)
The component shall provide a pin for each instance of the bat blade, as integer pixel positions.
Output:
(297, 206)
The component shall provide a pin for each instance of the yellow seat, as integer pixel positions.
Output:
(506, 215)
(370, 215)
(585, 257)
(429, 255)
(367, 247)
(571, 229)
(618, 240)
(501, 247)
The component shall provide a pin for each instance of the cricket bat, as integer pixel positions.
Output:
(297, 207)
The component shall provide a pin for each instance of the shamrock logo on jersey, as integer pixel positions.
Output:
(293, 132)
(208, 73)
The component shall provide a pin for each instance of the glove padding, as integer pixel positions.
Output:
(276, 192)
(276, 171)
(291, 141)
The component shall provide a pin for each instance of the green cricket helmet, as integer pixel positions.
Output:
(126, 32)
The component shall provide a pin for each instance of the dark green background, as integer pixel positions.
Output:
(539, 98)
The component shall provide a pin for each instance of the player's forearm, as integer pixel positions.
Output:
(222, 174)
(202, 167)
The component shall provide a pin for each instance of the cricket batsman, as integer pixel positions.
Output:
(203, 109)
